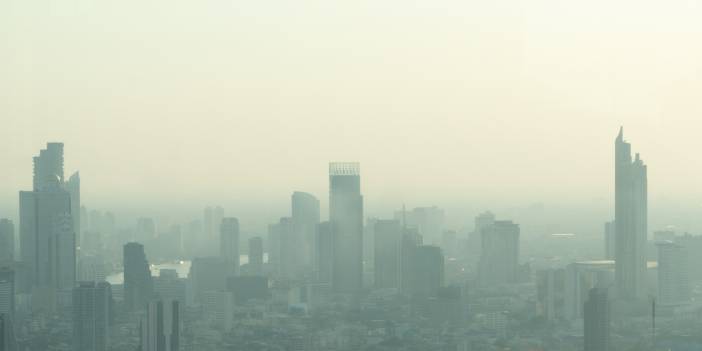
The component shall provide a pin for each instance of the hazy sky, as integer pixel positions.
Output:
(241, 102)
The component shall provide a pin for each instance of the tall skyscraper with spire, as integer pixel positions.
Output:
(631, 221)
(47, 233)
(346, 217)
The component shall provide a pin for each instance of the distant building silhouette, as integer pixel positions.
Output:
(146, 228)
(229, 242)
(427, 270)
(282, 240)
(256, 255)
(138, 286)
(346, 215)
(483, 220)
(429, 221)
(596, 321)
(411, 240)
(305, 218)
(388, 241)
(500, 253)
(91, 316)
(630, 212)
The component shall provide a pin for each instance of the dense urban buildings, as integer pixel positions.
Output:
(417, 281)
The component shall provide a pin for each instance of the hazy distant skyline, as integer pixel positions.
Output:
(441, 102)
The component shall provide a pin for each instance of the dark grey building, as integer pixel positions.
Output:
(138, 285)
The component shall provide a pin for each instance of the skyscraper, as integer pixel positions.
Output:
(630, 216)
(7, 240)
(305, 217)
(73, 188)
(229, 242)
(673, 278)
(388, 241)
(500, 253)
(596, 320)
(47, 236)
(91, 306)
(138, 286)
(160, 327)
(324, 255)
(346, 216)
(49, 163)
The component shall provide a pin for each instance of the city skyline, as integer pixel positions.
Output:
(372, 175)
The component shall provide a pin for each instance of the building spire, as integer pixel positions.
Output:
(621, 133)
